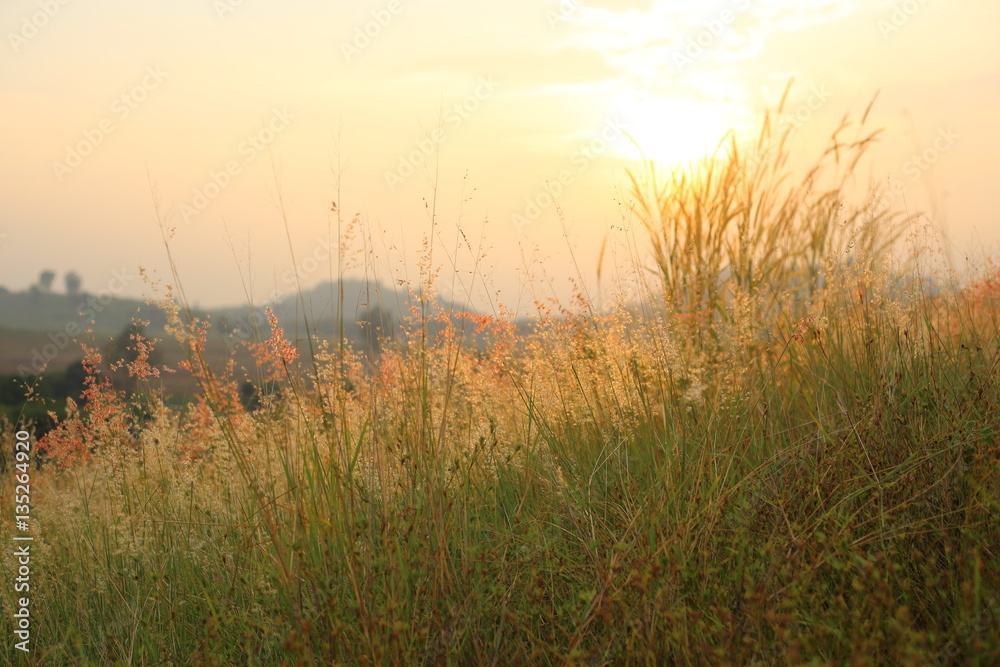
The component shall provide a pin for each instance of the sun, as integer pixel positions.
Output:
(673, 132)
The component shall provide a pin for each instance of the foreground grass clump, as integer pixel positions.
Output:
(574, 500)
(744, 469)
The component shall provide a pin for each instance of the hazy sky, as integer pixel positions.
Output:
(219, 108)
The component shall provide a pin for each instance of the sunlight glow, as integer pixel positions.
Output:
(672, 132)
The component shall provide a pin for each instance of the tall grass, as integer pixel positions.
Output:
(785, 453)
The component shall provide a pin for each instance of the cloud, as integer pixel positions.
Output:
(523, 72)
(643, 41)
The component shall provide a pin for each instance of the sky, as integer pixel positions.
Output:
(273, 138)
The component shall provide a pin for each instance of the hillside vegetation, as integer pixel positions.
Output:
(784, 452)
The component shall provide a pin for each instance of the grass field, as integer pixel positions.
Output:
(784, 451)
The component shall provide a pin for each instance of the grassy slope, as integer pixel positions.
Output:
(797, 464)
(844, 509)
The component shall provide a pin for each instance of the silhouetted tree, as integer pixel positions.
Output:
(73, 282)
(45, 279)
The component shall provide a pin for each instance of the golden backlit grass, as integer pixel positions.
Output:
(785, 451)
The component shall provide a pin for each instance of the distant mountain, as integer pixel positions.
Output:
(319, 306)
(368, 307)
(38, 328)
(366, 302)
(36, 310)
